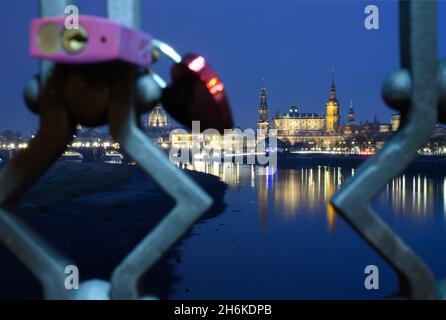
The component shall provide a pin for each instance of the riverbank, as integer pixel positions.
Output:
(96, 213)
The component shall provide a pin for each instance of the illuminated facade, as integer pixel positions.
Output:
(295, 123)
(232, 143)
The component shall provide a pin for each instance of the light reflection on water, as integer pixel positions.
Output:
(278, 238)
(308, 190)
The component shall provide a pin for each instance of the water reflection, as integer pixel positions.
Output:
(412, 195)
(306, 191)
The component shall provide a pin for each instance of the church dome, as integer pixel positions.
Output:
(157, 118)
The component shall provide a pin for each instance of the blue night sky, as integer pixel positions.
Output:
(293, 45)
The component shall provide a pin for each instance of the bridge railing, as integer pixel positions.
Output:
(118, 88)
(414, 90)
(417, 90)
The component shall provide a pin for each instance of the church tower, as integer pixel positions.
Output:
(332, 109)
(351, 113)
(262, 123)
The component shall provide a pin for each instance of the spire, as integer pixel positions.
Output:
(351, 113)
(262, 87)
(332, 86)
(263, 106)
(263, 96)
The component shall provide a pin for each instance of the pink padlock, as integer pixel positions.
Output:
(95, 40)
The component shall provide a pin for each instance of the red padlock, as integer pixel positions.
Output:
(197, 94)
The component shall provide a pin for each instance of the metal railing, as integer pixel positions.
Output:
(58, 121)
(415, 91)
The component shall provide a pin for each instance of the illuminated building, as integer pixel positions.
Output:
(384, 127)
(396, 119)
(158, 126)
(235, 142)
(157, 118)
(298, 127)
(295, 122)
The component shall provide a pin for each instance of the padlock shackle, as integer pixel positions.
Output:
(166, 50)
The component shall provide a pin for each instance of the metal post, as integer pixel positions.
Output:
(125, 12)
(352, 201)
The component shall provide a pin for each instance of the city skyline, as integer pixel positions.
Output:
(345, 109)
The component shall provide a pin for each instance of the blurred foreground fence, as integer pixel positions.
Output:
(93, 95)
(418, 91)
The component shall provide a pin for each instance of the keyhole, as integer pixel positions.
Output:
(75, 40)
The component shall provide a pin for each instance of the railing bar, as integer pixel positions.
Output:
(125, 12)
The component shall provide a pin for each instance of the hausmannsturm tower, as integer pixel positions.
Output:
(332, 110)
